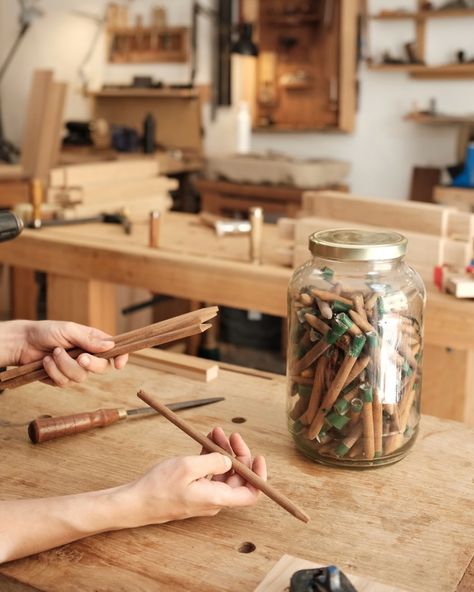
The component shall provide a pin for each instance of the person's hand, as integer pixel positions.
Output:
(180, 488)
(49, 340)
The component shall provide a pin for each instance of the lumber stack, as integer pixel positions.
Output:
(436, 235)
(89, 189)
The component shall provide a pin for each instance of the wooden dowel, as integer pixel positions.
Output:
(118, 350)
(238, 466)
(202, 315)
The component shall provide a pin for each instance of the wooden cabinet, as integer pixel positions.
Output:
(306, 71)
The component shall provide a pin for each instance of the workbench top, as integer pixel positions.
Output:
(410, 524)
(193, 260)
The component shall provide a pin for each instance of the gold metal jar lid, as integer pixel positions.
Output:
(348, 244)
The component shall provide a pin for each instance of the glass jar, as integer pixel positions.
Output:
(355, 343)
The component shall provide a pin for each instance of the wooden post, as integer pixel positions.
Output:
(23, 294)
(89, 302)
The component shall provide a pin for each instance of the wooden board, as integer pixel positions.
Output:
(104, 172)
(391, 525)
(457, 197)
(278, 579)
(37, 99)
(424, 250)
(176, 363)
(415, 217)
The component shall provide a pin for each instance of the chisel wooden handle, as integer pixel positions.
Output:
(49, 428)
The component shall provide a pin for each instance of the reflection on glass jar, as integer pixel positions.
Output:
(355, 314)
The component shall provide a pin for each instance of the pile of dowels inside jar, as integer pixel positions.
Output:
(355, 372)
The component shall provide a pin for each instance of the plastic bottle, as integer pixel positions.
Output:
(244, 128)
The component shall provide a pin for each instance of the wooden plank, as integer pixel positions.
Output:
(13, 192)
(286, 228)
(460, 225)
(104, 172)
(89, 302)
(37, 100)
(177, 363)
(423, 249)
(458, 197)
(416, 217)
(49, 131)
(127, 189)
(347, 65)
(278, 578)
(24, 294)
(445, 371)
(421, 503)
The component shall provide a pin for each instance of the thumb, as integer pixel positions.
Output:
(88, 338)
(213, 463)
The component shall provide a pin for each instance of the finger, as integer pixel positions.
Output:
(53, 372)
(259, 467)
(243, 454)
(218, 436)
(240, 448)
(247, 494)
(68, 366)
(220, 495)
(87, 338)
(197, 467)
(120, 361)
(93, 364)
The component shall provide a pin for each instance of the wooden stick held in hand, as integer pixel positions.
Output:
(238, 466)
(149, 336)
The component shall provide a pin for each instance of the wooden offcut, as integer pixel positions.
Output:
(176, 363)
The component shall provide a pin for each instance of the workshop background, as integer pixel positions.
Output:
(383, 148)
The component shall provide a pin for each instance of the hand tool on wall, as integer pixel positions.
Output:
(46, 428)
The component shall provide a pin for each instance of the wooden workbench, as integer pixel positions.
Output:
(84, 263)
(410, 524)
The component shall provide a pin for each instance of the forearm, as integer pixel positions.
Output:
(35, 525)
(13, 335)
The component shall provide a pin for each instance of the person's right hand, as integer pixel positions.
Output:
(180, 488)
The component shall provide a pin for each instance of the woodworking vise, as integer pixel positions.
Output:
(320, 579)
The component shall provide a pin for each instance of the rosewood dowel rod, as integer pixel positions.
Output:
(202, 315)
(238, 466)
(118, 350)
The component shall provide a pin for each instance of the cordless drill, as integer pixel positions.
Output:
(10, 225)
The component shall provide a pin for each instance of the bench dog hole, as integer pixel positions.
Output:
(238, 420)
(247, 547)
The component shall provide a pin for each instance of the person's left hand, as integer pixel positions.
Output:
(49, 340)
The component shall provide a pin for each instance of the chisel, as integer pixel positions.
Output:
(50, 428)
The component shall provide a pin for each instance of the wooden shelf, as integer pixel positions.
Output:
(292, 20)
(158, 93)
(426, 119)
(454, 71)
(148, 45)
(423, 15)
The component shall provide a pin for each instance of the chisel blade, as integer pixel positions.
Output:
(175, 406)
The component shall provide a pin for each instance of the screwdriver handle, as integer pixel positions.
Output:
(49, 428)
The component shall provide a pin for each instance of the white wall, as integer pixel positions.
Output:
(383, 148)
